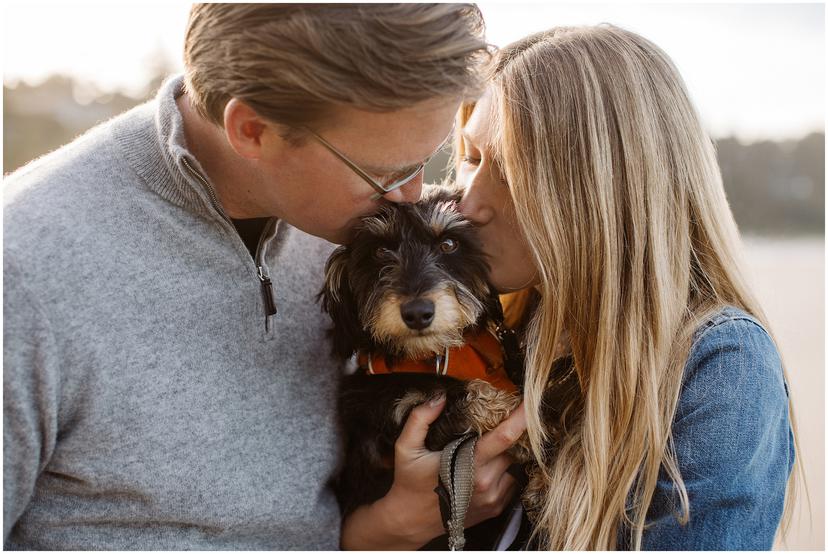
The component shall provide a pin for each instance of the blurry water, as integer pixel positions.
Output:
(788, 276)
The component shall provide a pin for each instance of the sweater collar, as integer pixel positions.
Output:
(156, 148)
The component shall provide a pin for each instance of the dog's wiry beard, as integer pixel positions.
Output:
(452, 316)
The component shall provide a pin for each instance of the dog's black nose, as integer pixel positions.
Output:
(418, 314)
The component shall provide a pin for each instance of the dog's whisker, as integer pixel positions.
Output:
(470, 306)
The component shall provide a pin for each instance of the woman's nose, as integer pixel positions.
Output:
(474, 206)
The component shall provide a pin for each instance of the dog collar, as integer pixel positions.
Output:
(480, 357)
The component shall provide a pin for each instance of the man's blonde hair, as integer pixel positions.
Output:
(294, 63)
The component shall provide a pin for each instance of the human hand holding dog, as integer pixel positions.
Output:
(409, 515)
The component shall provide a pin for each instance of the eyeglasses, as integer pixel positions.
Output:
(379, 187)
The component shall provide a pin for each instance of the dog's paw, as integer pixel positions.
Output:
(471, 407)
(450, 424)
(486, 405)
(478, 408)
(534, 494)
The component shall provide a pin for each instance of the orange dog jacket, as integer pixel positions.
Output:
(481, 357)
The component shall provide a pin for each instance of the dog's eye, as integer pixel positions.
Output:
(448, 246)
(382, 252)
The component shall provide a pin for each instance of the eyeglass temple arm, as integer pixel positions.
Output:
(355, 168)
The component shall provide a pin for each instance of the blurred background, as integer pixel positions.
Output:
(755, 71)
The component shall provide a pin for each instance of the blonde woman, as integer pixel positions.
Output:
(596, 188)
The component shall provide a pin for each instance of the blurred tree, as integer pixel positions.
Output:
(38, 119)
(772, 187)
(776, 187)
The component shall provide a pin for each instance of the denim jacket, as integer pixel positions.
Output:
(733, 443)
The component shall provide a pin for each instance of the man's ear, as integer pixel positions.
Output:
(244, 129)
(339, 302)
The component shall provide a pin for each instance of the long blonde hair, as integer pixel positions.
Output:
(619, 196)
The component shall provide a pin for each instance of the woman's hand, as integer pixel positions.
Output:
(409, 515)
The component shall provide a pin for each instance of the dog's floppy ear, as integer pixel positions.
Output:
(338, 301)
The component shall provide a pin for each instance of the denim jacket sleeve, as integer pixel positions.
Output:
(733, 442)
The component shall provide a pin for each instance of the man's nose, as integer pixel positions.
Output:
(409, 192)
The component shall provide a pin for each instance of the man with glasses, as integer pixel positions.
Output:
(167, 382)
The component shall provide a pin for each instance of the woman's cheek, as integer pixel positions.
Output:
(515, 268)
(463, 176)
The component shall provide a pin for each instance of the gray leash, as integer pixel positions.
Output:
(457, 481)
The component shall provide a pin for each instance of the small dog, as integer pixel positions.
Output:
(413, 286)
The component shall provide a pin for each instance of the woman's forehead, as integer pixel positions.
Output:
(478, 128)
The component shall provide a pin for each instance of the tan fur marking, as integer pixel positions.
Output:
(378, 226)
(450, 317)
(386, 324)
(444, 216)
(405, 404)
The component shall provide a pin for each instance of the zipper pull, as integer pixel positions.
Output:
(267, 292)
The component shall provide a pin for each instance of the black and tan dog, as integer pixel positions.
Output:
(410, 297)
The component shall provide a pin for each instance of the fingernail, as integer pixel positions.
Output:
(437, 400)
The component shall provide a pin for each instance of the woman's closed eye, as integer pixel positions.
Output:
(495, 167)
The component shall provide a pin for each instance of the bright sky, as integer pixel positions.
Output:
(754, 70)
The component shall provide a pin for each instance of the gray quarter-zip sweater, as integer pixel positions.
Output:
(149, 401)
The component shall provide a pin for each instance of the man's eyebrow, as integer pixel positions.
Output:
(410, 167)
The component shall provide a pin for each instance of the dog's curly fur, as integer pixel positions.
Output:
(407, 252)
